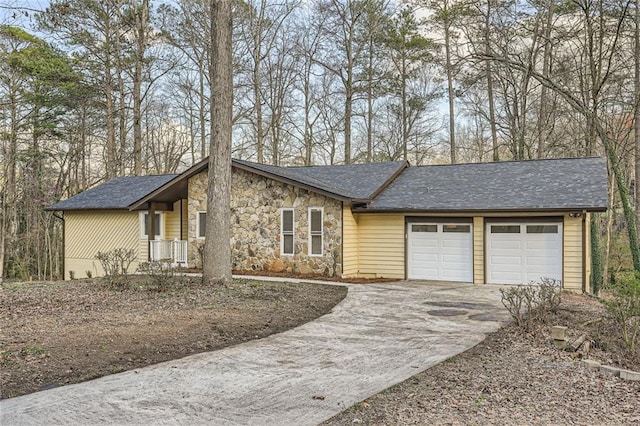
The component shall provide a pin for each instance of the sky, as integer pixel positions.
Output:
(20, 12)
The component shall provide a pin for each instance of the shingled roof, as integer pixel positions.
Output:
(350, 181)
(116, 194)
(554, 184)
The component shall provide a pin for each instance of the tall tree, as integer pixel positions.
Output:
(217, 251)
(409, 52)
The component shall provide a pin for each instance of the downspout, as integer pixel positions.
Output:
(584, 251)
(64, 255)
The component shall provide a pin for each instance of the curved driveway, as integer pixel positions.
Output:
(379, 335)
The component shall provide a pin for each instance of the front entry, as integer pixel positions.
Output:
(440, 251)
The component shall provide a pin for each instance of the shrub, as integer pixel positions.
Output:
(623, 306)
(200, 249)
(529, 303)
(116, 265)
(72, 275)
(88, 273)
(160, 272)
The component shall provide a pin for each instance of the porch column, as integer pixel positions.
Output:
(152, 228)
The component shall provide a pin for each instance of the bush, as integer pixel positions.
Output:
(529, 303)
(623, 306)
(160, 272)
(115, 264)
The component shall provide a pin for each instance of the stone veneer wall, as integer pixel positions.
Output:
(255, 225)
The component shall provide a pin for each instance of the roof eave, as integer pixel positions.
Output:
(479, 211)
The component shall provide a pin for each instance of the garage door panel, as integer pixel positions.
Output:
(520, 258)
(425, 257)
(505, 260)
(440, 255)
(504, 244)
(514, 277)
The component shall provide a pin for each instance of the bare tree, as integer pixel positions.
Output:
(217, 251)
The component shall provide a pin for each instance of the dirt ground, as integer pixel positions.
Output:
(517, 377)
(52, 334)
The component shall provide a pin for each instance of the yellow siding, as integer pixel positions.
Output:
(172, 222)
(478, 250)
(572, 248)
(381, 245)
(349, 242)
(588, 252)
(87, 233)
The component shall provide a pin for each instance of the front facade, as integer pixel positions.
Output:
(441, 223)
(491, 248)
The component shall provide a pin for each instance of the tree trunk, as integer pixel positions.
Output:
(451, 92)
(636, 118)
(546, 71)
(217, 252)
(141, 41)
(492, 106)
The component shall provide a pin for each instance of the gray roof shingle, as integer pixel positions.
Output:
(572, 183)
(118, 193)
(354, 181)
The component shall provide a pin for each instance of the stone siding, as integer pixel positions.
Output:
(255, 225)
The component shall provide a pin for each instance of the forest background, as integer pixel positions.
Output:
(94, 89)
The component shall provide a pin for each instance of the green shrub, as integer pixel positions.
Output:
(623, 305)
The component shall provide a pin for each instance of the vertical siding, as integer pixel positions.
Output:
(572, 249)
(381, 245)
(349, 242)
(87, 233)
(478, 250)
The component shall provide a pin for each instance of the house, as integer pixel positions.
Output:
(501, 223)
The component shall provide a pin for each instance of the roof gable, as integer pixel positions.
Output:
(349, 181)
(118, 193)
(553, 184)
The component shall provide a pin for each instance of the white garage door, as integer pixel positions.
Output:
(440, 251)
(521, 253)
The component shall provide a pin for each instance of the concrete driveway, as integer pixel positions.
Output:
(379, 335)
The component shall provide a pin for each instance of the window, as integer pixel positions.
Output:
(505, 229)
(286, 232)
(424, 228)
(201, 224)
(315, 231)
(542, 229)
(456, 228)
(144, 225)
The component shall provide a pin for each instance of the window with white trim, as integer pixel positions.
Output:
(315, 231)
(286, 231)
(144, 225)
(201, 224)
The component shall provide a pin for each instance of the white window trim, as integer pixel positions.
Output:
(141, 219)
(282, 234)
(309, 244)
(198, 237)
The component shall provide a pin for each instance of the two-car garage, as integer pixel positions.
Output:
(515, 252)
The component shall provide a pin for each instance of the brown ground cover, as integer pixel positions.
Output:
(53, 334)
(518, 377)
